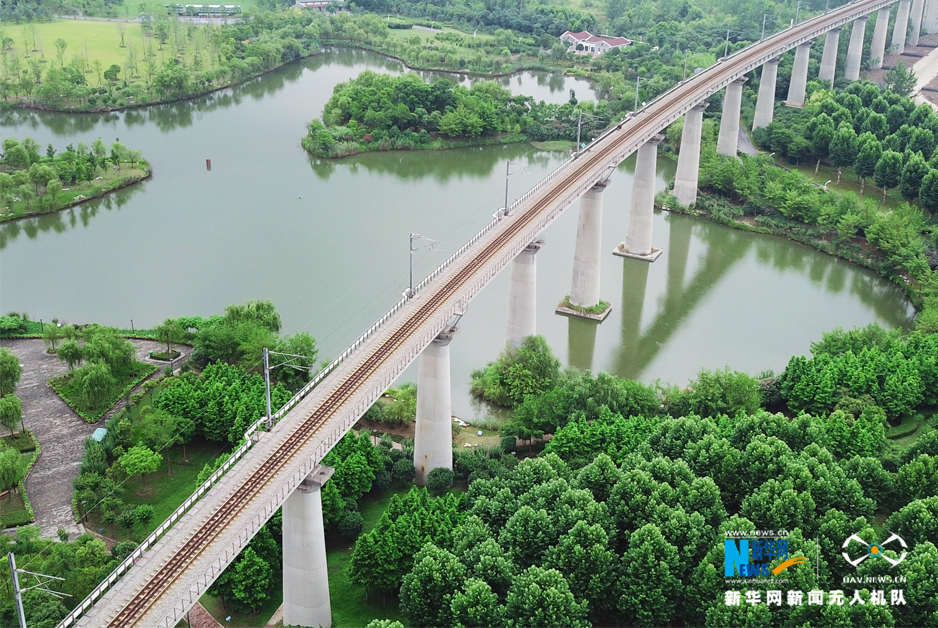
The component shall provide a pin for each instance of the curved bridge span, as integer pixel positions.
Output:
(176, 565)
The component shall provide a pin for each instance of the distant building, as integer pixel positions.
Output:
(585, 42)
(317, 5)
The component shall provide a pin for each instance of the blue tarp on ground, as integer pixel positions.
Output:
(99, 434)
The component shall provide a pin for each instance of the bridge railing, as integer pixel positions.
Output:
(161, 530)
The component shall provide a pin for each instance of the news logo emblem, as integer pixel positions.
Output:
(752, 561)
(873, 550)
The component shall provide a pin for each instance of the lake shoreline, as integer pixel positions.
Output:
(124, 183)
(31, 105)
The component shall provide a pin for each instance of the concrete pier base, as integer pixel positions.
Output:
(765, 103)
(305, 576)
(688, 160)
(799, 76)
(433, 438)
(855, 50)
(587, 258)
(930, 18)
(829, 58)
(901, 26)
(918, 8)
(728, 140)
(522, 296)
(638, 240)
(878, 45)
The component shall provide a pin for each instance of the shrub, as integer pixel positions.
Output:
(144, 514)
(439, 478)
(123, 549)
(351, 524)
(127, 519)
(403, 472)
(724, 392)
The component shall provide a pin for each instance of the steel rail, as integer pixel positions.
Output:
(576, 175)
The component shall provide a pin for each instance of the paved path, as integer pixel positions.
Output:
(61, 434)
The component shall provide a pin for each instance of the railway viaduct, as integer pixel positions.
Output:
(279, 463)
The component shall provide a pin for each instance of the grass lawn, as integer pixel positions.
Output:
(62, 385)
(469, 435)
(406, 33)
(217, 609)
(20, 441)
(96, 40)
(848, 182)
(555, 145)
(12, 508)
(164, 492)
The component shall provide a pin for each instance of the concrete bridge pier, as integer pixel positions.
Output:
(305, 576)
(829, 58)
(688, 160)
(638, 240)
(901, 26)
(855, 50)
(878, 46)
(728, 140)
(930, 18)
(918, 8)
(799, 76)
(765, 103)
(433, 438)
(584, 289)
(522, 296)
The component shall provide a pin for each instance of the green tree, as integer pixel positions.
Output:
(111, 73)
(476, 606)
(251, 580)
(888, 170)
(60, 46)
(913, 173)
(10, 467)
(50, 334)
(94, 382)
(649, 588)
(870, 151)
(928, 193)
(427, 591)
(541, 597)
(71, 352)
(169, 332)
(843, 148)
(10, 371)
(583, 556)
(900, 80)
(141, 460)
(11, 411)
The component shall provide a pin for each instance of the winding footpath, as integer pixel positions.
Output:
(60, 431)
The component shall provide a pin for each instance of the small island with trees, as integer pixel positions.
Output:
(31, 183)
(381, 112)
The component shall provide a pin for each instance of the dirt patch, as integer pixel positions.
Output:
(404, 431)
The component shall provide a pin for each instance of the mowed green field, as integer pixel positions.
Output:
(100, 40)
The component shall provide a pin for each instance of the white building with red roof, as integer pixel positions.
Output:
(585, 42)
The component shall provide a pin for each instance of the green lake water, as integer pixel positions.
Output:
(327, 241)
